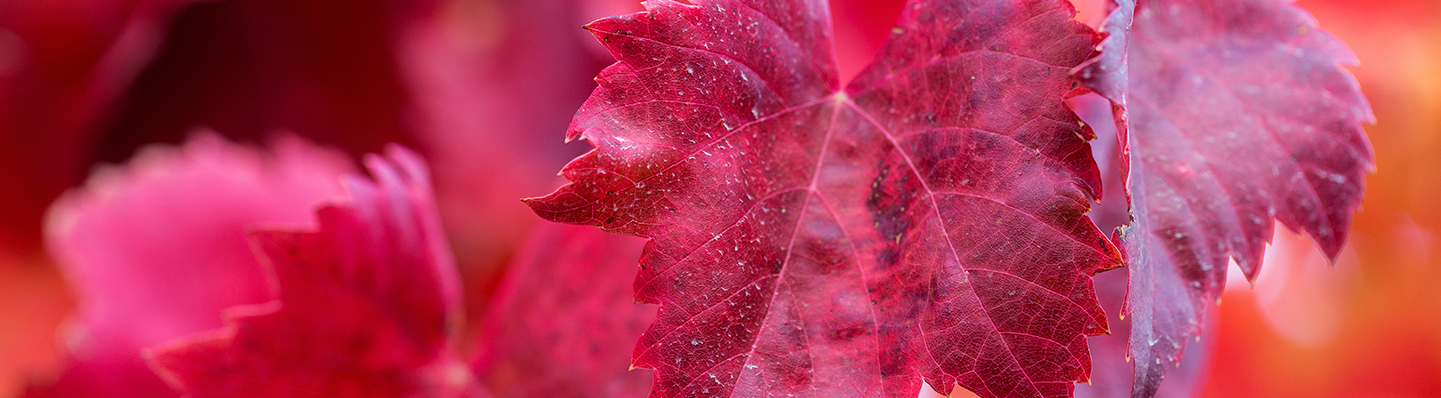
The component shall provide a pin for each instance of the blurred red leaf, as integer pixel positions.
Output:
(156, 249)
(367, 305)
(924, 222)
(564, 322)
(491, 82)
(1240, 113)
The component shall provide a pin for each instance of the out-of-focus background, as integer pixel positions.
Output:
(1367, 327)
(484, 90)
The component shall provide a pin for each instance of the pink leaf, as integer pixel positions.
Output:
(156, 249)
(1112, 370)
(367, 305)
(924, 222)
(1106, 73)
(564, 321)
(1240, 113)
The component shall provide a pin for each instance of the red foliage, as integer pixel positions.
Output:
(1112, 370)
(367, 305)
(924, 222)
(563, 322)
(818, 225)
(1240, 113)
(156, 249)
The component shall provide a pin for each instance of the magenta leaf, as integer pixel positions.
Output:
(1111, 368)
(490, 83)
(564, 321)
(1240, 114)
(1106, 73)
(156, 249)
(923, 223)
(367, 305)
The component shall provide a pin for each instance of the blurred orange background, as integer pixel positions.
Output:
(1372, 327)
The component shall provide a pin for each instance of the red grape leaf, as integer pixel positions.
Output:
(924, 222)
(564, 321)
(367, 305)
(1240, 114)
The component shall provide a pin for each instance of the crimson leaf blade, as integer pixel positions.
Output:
(926, 222)
(1240, 114)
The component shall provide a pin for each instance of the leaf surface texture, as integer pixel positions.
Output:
(1238, 114)
(809, 240)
